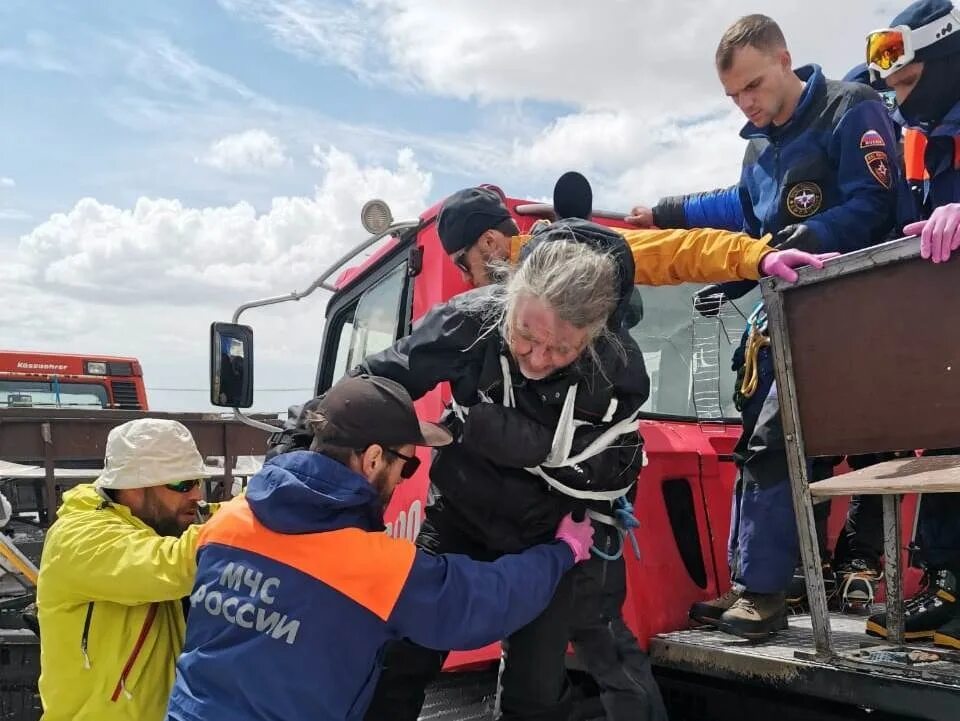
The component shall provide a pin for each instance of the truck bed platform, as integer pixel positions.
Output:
(869, 673)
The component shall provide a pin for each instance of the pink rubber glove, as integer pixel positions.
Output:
(781, 263)
(940, 235)
(578, 535)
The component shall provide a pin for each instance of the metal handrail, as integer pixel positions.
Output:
(547, 209)
(320, 282)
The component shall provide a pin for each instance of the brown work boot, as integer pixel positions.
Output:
(756, 615)
(709, 612)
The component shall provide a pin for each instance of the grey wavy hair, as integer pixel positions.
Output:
(579, 283)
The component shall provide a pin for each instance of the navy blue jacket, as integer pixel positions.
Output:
(832, 166)
(942, 160)
(298, 589)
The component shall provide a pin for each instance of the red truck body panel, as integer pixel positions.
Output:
(122, 383)
(661, 586)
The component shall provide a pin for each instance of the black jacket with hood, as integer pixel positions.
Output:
(482, 477)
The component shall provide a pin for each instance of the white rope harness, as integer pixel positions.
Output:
(560, 449)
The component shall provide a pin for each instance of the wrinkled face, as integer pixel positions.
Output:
(757, 82)
(166, 511)
(474, 262)
(905, 80)
(540, 342)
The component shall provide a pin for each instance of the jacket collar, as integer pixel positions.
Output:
(307, 492)
(812, 75)
(950, 125)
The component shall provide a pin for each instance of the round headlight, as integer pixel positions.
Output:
(375, 216)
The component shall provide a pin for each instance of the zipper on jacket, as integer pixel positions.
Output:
(773, 218)
(137, 647)
(86, 635)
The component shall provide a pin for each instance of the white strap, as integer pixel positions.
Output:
(508, 399)
(563, 436)
(578, 493)
(600, 444)
(611, 410)
(559, 456)
(601, 518)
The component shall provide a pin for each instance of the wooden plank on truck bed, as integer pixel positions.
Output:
(925, 474)
(82, 434)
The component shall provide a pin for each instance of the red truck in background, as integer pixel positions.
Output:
(684, 493)
(68, 380)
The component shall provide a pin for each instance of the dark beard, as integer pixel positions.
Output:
(383, 492)
(154, 516)
(164, 526)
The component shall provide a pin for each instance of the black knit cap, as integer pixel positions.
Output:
(923, 13)
(600, 238)
(468, 214)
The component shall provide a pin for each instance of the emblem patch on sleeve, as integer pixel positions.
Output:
(804, 199)
(879, 165)
(872, 139)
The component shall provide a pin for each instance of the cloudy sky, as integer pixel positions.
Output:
(161, 163)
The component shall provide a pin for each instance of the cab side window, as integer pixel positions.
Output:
(369, 324)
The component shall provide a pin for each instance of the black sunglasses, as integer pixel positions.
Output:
(410, 463)
(460, 260)
(183, 486)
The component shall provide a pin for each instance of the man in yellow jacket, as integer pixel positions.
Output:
(477, 231)
(115, 565)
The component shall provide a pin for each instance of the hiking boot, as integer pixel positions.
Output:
(948, 635)
(756, 615)
(796, 594)
(858, 580)
(709, 612)
(934, 606)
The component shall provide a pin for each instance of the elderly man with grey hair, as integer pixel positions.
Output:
(115, 566)
(547, 386)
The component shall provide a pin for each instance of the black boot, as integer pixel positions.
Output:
(796, 593)
(933, 607)
(857, 580)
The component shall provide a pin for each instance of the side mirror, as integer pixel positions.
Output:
(231, 365)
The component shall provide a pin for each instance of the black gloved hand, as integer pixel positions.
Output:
(451, 421)
(709, 300)
(797, 236)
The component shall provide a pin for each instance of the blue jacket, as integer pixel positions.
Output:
(832, 166)
(298, 590)
(942, 160)
(718, 208)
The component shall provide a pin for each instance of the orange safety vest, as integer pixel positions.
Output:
(914, 147)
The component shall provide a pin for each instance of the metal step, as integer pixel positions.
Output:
(864, 674)
(461, 697)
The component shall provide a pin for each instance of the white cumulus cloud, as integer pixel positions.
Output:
(250, 151)
(7, 182)
(147, 280)
(655, 55)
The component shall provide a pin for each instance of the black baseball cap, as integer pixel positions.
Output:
(468, 214)
(364, 410)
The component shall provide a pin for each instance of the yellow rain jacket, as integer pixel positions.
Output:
(701, 255)
(111, 621)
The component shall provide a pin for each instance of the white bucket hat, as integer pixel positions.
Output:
(150, 452)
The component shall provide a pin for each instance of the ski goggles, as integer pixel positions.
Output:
(890, 49)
